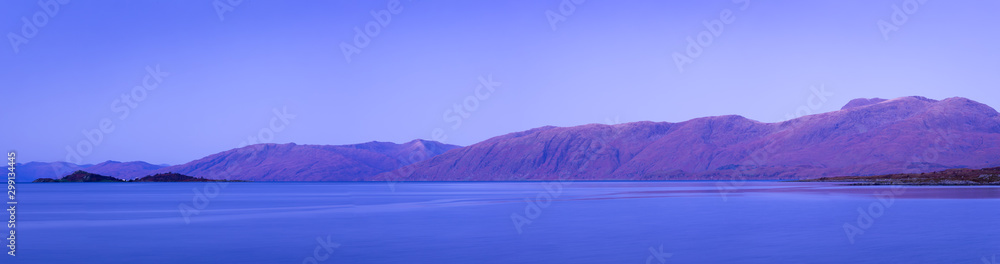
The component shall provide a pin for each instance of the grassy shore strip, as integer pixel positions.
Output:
(952, 177)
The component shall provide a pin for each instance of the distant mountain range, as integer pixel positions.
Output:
(123, 170)
(265, 162)
(291, 162)
(866, 137)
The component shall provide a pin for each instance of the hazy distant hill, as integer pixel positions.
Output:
(866, 137)
(30, 171)
(123, 170)
(292, 162)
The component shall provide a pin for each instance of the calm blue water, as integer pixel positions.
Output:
(586, 222)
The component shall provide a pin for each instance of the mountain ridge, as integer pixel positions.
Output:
(283, 162)
(866, 137)
(123, 170)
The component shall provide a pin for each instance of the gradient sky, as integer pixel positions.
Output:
(606, 60)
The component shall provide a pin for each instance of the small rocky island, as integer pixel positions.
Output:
(83, 176)
(986, 176)
(173, 177)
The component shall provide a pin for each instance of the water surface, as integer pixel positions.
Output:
(505, 222)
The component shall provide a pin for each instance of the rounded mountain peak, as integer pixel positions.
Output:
(862, 102)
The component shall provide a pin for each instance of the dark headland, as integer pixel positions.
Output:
(83, 176)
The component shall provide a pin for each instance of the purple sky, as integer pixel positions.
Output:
(604, 60)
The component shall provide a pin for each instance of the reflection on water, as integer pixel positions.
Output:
(504, 222)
